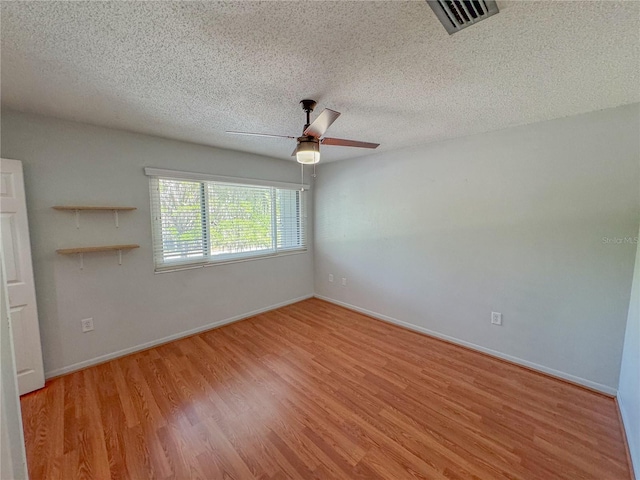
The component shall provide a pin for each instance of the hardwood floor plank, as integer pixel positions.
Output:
(138, 459)
(122, 389)
(316, 391)
(335, 463)
(69, 465)
(144, 403)
(291, 457)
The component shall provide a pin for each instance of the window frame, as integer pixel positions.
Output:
(208, 260)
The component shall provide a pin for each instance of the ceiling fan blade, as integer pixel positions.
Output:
(341, 142)
(295, 150)
(259, 134)
(322, 123)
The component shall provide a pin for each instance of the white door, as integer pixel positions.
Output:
(13, 460)
(16, 250)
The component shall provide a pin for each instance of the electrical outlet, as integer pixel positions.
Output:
(344, 281)
(331, 277)
(496, 318)
(87, 325)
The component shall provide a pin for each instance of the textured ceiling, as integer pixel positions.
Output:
(191, 70)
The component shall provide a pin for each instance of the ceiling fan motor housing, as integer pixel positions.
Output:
(308, 105)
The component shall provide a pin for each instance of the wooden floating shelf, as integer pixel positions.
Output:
(81, 207)
(96, 208)
(106, 248)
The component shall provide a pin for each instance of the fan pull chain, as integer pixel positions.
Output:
(302, 177)
(314, 170)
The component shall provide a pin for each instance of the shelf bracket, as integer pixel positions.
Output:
(119, 256)
(81, 260)
(77, 219)
(115, 218)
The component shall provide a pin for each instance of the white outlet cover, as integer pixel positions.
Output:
(331, 277)
(496, 318)
(344, 281)
(87, 325)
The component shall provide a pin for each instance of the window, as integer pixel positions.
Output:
(203, 221)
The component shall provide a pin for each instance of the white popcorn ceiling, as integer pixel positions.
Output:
(191, 70)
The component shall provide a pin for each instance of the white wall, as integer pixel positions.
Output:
(71, 163)
(629, 388)
(510, 221)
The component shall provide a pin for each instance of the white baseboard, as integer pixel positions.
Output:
(634, 450)
(143, 346)
(519, 361)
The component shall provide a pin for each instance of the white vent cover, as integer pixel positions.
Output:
(458, 14)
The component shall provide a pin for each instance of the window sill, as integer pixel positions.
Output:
(187, 266)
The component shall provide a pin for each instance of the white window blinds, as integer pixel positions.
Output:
(203, 221)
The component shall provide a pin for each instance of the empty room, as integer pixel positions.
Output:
(377, 240)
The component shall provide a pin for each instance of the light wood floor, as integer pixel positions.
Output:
(315, 391)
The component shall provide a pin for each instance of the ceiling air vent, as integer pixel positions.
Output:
(458, 14)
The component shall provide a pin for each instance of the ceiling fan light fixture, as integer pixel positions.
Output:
(308, 151)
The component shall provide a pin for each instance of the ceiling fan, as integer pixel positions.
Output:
(308, 149)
